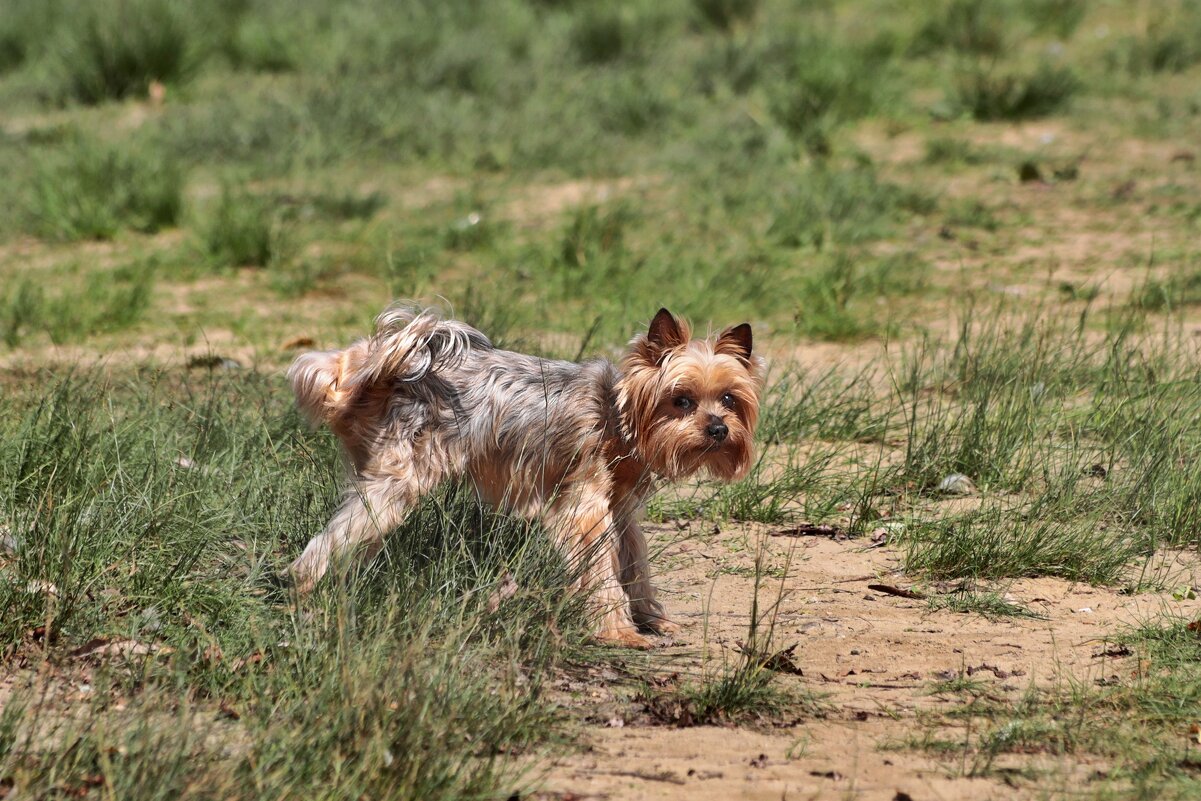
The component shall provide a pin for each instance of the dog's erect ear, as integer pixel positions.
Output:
(665, 332)
(736, 342)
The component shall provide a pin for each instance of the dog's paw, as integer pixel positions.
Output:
(662, 626)
(626, 637)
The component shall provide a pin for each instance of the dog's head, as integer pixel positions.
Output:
(691, 404)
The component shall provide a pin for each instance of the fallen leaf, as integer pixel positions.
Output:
(295, 343)
(956, 484)
(101, 647)
(242, 662)
(1116, 651)
(40, 634)
(780, 661)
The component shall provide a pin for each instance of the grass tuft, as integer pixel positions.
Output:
(821, 86)
(601, 36)
(974, 27)
(105, 302)
(113, 49)
(243, 230)
(726, 15)
(92, 191)
(989, 94)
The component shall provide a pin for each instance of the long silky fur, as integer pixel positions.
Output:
(424, 399)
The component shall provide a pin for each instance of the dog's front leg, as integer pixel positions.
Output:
(636, 577)
(583, 526)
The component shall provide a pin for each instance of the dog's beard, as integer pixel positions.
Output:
(678, 449)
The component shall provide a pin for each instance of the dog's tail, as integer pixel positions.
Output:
(407, 345)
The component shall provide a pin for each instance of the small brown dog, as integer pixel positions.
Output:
(577, 446)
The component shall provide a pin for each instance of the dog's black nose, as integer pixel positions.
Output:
(717, 429)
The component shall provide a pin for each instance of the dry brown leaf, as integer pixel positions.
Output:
(102, 647)
(780, 661)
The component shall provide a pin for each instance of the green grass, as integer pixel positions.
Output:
(992, 605)
(1168, 43)
(244, 230)
(747, 688)
(1176, 290)
(160, 510)
(850, 177)
(1137, 727)
(103, 303)
(116, 48)
(990, 94)
(89, 190)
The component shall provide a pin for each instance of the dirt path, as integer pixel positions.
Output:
(873, 657)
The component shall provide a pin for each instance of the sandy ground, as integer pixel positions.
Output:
(872, 657)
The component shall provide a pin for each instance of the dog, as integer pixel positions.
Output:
(579, 447)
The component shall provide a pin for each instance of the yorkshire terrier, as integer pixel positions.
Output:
(577, 446)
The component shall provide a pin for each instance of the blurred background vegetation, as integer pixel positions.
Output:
(551, 164)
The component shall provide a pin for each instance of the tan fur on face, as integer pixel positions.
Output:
(574, 445)
(673, 441)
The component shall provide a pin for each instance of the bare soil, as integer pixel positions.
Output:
(874, 659)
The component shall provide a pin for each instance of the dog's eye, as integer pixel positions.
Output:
(683, 402)
(727, 400)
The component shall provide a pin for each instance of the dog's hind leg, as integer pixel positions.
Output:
(369, 512)
(375, 505)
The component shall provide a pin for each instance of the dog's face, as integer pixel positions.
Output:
(691, 404)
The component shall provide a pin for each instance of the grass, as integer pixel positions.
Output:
(727, 15)
(1167, 44)
(243, 230)
(992, 605)
(105, 302)
(117, 48)
(988, 94)
(90, 190)
(935, 292)
(323, 691)
(748, 688)
(1137, 727)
